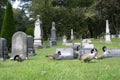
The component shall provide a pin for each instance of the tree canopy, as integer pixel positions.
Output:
(85, 17)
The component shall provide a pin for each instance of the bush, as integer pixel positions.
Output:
(30, 31)
(8, 26)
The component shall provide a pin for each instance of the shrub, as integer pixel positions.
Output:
(8, 27)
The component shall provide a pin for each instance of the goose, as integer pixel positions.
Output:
(54, 56)
(89, 56)
(101, 56)
(77, 52)
(18, 58)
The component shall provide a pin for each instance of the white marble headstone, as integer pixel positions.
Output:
(64, 40)
(19, 45)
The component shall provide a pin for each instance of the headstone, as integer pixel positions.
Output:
(38, 33)
(88, 46)
(107, 36)
(119, 35)
(113, 52)
(30, 46)
(66, 53)
(3, 49)
(72, 36)
(53, 35)
(69, 44)
(64, 40)
(19, 45)
(76, 45)
(86, 41)
(113, 36)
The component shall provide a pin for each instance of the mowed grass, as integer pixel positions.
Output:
(41, 68)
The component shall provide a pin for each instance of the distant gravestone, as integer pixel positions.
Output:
(3, 49)
(30, 46)
(38, 33)
(88, 46)
(72, 36)
(53, 35)
(113, 52)
(77, 45)
(64, 40)
(107, 36)
(19, 45)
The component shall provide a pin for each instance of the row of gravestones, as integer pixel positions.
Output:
(21, 45)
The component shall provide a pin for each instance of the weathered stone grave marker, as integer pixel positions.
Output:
(30, 46)
(3, 49)
(19, 45)
(53, 35)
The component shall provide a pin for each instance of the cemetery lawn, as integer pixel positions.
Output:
(41, 68)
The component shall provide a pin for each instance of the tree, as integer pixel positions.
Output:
(8, 27)
(2, 4)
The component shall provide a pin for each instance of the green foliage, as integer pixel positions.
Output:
(21, 21)
(8, 27)
(39, 67)
(30, 31)
(2, 4)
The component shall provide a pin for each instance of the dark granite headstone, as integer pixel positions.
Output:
(3, 49)
(30, 46)
(19, 45)
(53, 35)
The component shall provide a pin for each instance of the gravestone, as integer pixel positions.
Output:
(66, 53)
(113, 52)
(64, 40)
(76, 45)
(38, 33)
(88, 45)
(19, 45)
(86, 41)
(53, 35)
(107, 36)
(3, 49)
(72, 36)
(76, 49)
(30, 46)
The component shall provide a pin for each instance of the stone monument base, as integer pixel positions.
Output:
(38, 43)
(54, 43)
(107, 38)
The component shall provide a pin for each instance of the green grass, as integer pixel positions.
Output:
(41, 68)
